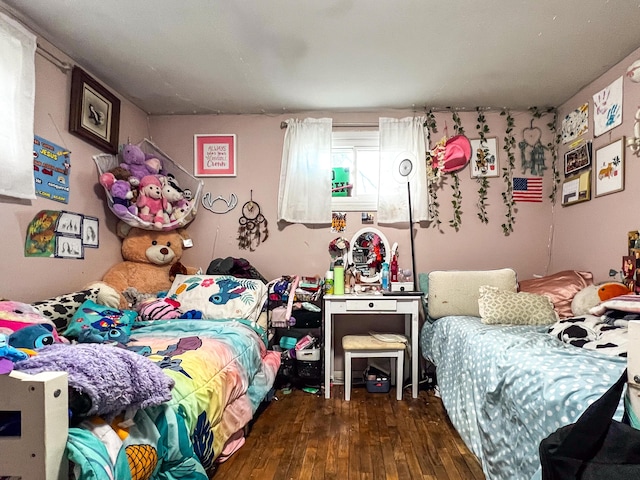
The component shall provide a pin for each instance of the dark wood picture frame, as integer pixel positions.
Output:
(94, 114)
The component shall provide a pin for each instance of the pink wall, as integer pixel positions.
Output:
(593, 235)
(302, 249)
(589, 236)
(30, 278)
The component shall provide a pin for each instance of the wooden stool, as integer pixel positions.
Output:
(366, 346)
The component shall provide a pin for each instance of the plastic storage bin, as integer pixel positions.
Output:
(308, 363)
(377, 381)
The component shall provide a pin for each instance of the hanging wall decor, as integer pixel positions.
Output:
(507, 173)
(253, 226)
(61, 234)
(208, 202)
(609, 168)
(576, 123)
(456, 221)
(607, 108)
(51, 166)
(94, 114)
(532, 150)
(433, 177)
(483, 165)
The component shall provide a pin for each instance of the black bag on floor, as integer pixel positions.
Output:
(595, 447)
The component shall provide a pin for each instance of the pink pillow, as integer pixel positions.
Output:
(560, 287)
(17, 315)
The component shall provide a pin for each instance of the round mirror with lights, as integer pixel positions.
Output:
(369, 249)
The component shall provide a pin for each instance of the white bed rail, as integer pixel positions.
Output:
(633, 366)
(40, 402)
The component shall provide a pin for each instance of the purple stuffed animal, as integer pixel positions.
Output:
(138, 163)
(122, 197)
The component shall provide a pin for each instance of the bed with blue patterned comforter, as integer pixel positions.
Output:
(506, 388)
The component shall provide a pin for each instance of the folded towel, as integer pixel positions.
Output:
(114, 378)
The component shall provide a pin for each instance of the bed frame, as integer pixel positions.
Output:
(633, 366)
(41, 401)
(39, 404)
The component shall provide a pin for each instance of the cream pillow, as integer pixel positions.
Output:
(522, 308)
(455, 292)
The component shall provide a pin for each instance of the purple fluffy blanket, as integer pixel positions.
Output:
(115, 379)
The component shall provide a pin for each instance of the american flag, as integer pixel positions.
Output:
(527, 189)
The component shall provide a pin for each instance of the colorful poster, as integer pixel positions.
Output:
(608, 108)
(51, 165)
(575, 124)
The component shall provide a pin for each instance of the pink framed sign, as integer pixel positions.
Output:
(214, 155)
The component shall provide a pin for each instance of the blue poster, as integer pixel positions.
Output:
(51, 165)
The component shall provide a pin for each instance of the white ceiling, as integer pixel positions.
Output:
(280, 56)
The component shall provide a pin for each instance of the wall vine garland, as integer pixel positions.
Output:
(482, 180)
(456, 221)
(507, 174)
(432, 189)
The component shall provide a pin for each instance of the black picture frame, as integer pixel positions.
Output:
(90, 232)
(577, 159)
(94, 113)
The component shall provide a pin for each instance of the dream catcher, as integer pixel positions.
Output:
(253, 226)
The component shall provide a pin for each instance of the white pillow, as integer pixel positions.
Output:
(454, 292)
(219, 297)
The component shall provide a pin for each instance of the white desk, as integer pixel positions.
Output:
(371, 305)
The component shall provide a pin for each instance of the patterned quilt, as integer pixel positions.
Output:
(222, 371)
(505, 388)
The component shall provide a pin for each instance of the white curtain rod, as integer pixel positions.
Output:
(44, 53)
(345, 125)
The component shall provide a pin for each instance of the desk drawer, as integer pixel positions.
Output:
(365, 305)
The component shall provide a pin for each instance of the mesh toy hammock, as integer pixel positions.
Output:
(187, 182)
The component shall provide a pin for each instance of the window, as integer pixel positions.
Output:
(355, 162)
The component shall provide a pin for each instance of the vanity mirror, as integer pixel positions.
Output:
(368, 251)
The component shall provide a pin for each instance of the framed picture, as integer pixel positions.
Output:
(609, 170)
(577, 159)
(94, 114)
(69, 247)
(69, 224)
(214, 155)
(633, 240)
(607, 111)
(90, 232)
(484, 158)
(576, 189)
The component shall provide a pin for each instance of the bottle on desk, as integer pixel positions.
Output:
(384, 275)
(394, 269)
(328, 282)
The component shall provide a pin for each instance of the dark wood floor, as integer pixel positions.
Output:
(303, 436)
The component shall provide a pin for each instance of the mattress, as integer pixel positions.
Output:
(505, 388)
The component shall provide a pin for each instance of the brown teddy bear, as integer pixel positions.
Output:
(151, 261)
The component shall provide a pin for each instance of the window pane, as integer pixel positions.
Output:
(367, 173)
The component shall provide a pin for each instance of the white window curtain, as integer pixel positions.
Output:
(400, 139)
(17, 99)
(305, 174)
